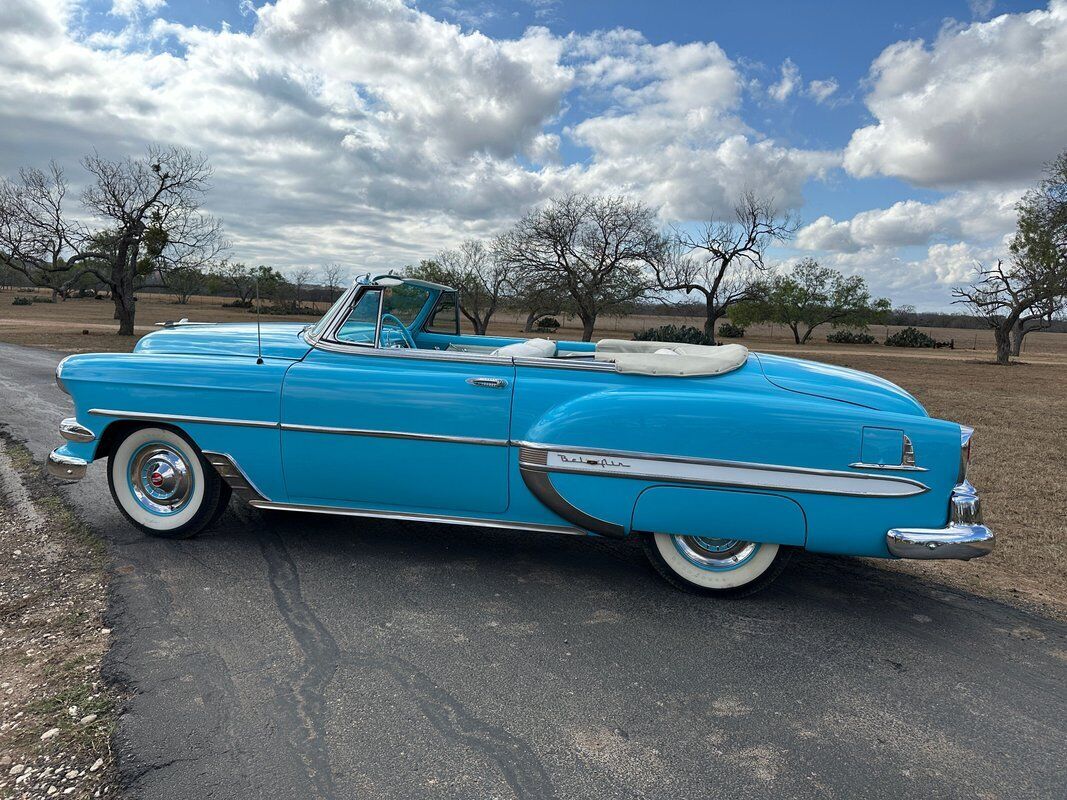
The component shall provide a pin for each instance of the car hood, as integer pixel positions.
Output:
(280, 340)
(838, 383)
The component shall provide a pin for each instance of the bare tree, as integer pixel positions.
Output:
(722, 261)
(145, 213)
(481, 277)
(1004, 295)
(1039, 318)
(151, 206)
(331, 279)
(37, 240)
(299, 279)
(597, 250)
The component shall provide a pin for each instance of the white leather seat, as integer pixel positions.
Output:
(531, 348)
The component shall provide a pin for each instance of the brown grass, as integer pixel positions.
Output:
(1020, 413)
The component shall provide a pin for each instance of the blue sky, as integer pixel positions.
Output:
(373, 132)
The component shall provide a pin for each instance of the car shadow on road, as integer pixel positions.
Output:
(591, 571)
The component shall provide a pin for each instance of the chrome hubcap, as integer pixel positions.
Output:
(160, 479)
(709, 553)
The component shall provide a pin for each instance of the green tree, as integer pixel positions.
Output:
(810, 296)
(1030, 289)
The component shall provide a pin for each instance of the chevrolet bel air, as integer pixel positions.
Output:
(720, 461)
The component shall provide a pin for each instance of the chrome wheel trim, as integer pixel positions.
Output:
(160, 478)
(714, 554)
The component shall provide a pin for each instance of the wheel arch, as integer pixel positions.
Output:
(119, 429)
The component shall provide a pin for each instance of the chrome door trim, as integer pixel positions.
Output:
(536, 456)
(379, 434)
(147, 417)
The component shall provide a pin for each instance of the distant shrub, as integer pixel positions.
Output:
(42, 299)
(685, 334)
(547, 324)
(910, 337)
(849, 337)
(22, 301)
(238, 304)
(730, 331)
(287, 310)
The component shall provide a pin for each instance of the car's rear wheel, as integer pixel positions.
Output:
(162, 484)
(719, 567)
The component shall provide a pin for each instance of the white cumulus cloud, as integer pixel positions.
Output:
(983, 102)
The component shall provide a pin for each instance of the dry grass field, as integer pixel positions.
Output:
(1020, 451)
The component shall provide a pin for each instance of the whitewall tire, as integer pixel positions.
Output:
(720, 567)
(162, 484)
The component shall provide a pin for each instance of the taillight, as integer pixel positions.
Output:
(965, 451)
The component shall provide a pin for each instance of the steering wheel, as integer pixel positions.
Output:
(394, 322)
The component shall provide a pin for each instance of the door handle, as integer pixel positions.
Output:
(488, 383)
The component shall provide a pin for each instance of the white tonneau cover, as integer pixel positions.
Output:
(671, 358)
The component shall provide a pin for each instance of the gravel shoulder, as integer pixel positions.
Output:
(57, 713)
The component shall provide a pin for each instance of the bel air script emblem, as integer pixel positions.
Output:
(604, 463)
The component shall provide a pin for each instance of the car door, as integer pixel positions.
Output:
(391, 428)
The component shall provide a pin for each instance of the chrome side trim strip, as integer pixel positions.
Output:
(682, 469)
(139, 415)
(230, 472)
(436, 518)
(248, 423)
(73, 431)
(540, 485)
(426, 437)
(898, 467)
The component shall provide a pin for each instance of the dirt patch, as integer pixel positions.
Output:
(57, 712)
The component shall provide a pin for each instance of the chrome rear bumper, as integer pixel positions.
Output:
(964, 538)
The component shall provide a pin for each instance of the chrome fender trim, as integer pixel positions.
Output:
(534, 456)
(537, 480)
(233, 475)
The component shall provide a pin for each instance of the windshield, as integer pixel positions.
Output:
(318, 328)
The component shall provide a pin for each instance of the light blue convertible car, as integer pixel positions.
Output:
(719, 460)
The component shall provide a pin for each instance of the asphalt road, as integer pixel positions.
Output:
(288, 656)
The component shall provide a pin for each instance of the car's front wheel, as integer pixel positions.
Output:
(162, 484)
(719, 567)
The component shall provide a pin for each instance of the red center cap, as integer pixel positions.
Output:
(157, 479)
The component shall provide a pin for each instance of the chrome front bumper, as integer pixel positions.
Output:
(68, 468)
(964, 538)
